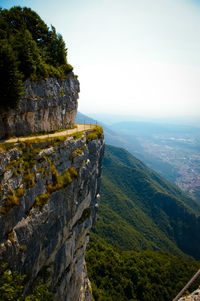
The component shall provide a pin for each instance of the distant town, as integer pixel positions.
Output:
(183, 154)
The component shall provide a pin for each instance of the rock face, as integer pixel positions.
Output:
(45, 106)
(49, 197)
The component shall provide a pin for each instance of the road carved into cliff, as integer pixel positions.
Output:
(78, 128)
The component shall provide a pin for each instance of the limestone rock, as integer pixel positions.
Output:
(46, 105)
(44, 232)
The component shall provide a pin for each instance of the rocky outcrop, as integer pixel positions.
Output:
(49, 197)
(46, 105)
(195, 296)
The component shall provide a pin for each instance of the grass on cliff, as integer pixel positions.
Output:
(12, 200)
(61, 181)
(96, 133)
(25, 166)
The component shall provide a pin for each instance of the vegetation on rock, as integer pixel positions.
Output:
(29, 49)
(96, 133)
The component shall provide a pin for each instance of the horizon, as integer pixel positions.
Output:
(132, 58)
(110, 119)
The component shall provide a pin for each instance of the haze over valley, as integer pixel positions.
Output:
(173, 150)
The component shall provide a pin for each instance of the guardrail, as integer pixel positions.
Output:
(187, 286)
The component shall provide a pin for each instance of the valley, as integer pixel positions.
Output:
(172, 150)
(147, 232)
(182, 154)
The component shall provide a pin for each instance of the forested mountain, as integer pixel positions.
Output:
(140, 210)
(155, 213)
(171, 149)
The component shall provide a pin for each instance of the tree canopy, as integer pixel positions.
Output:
(12, 287)
(137, 276)
(28, 49)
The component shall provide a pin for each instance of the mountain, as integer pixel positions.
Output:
(171, 149)
(111, 137)
(141, 210)
(147, 230)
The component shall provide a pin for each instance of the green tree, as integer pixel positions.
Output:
(28, 49)
(56, 52)
(139, 276)
(11, 79)
(29, 57)
(12, 286)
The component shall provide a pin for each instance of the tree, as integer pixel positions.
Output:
(28, 49)
(12, 286)
(29, 57)
(11, 79)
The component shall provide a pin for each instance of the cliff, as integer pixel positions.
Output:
(49, 196)
(46, 105)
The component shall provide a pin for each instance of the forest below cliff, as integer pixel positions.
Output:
(29, 49)
(146, 238)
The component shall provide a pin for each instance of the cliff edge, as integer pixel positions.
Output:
(49, 196)
(49, 185)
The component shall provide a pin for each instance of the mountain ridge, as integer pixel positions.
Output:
(164, 215)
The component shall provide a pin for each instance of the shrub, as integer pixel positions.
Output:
(77, 152)
(97, 133)
(63, 180)
(22, 248)
(11, 236)
(41, 200)
(29, 179)
(15, 174)
(73, 172)
(11, 201)
(20, 192)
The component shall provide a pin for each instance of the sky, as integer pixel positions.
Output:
(132, 57)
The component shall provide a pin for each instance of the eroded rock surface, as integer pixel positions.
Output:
(46, 105)
(49, 197)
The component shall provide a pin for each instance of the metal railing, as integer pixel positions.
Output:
(187, 286)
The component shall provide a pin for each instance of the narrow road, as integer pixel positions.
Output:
(78, 128)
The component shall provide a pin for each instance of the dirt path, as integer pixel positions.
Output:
(79, 128)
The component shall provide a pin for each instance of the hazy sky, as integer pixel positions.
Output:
(136, 57)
